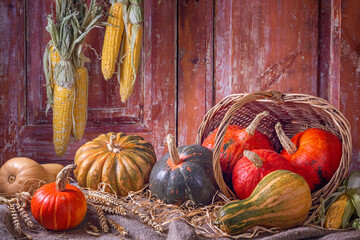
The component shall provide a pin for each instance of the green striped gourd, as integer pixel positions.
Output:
(281, 199)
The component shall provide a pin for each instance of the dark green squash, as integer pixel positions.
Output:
(185, 173)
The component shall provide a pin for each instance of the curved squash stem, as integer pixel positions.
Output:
(174, 154)
(254, 124)
(288, 145)
(62, 177)
(111, 146)
(254, 158)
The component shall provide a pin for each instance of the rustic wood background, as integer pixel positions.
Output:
(195, 52)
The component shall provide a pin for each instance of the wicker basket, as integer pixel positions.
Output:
(296, 112)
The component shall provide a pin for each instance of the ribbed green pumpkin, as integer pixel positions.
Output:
(281, 199)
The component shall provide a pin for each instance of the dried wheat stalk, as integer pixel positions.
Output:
(16, 220)
(147, 220)
(119, 210)
(24, 215)
(120, 229)
(102, 218)
(102, 198)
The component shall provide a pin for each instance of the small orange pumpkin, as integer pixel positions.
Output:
(59, 206)
(236, 140)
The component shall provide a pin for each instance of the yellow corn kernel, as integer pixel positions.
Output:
(55, 58)
(127, 74)
(62, 118)
(112, 40)
(81, 102)
(335, 213)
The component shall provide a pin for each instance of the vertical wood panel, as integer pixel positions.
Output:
(195, 68)
(329, 51)
(270, 46)
(12, 76)
(349, 82)
(159, 57)
(37, 39)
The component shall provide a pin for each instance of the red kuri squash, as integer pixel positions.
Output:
(314, 153)
(59, 206)
(254, 166)
(236, 140)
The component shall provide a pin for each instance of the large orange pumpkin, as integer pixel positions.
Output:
(122, 161)
(314, 153)
(59, 206)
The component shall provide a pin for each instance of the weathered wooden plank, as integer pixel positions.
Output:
(266, 45)
(12, 76)
(195, 68)
(349, 81)
(36, 41)
(329, 51)
(36, 141)
(159, 71)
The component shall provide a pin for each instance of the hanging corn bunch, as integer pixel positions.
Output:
(113, 35)
(66, 76)
(131, 50)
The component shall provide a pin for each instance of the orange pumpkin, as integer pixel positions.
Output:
(314, 153)
(59, 206)
(236, 140)
(122, 161)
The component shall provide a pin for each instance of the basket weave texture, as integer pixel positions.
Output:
(296, 113)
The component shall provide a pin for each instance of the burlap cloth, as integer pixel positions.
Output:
(176, 230)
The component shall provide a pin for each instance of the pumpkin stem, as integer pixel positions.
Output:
(288, 145)
(62, 177)
(174, 154)
(254, 158)
(111, 146)
(254, 124)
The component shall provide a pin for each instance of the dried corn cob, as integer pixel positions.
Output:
(81, 103)
(112, 39)
(335, 213)
(62, 117)
(131, 50)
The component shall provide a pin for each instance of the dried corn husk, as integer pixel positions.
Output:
(72, 24)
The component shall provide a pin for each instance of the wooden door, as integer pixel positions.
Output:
(195, 52)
